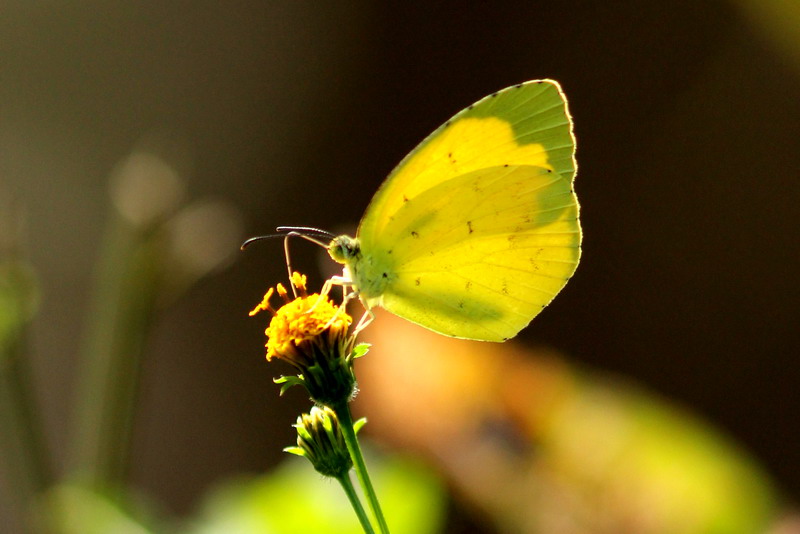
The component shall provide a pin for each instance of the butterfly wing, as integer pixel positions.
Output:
(477, 229)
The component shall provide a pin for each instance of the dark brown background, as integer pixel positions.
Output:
(687, 117)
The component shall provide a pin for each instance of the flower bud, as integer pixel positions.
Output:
(320, 439)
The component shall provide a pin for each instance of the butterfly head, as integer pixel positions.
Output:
(344, 249)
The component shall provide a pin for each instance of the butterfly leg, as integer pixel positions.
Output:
(365, 321)
(339, 309)
(346, 284)
(326, 289)
(342, 281)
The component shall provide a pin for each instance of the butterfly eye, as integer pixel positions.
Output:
(343, 248)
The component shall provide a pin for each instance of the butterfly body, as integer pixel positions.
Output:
(476, 230)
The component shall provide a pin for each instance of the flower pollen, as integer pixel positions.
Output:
(264, 305)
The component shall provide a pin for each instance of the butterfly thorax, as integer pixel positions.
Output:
(368, 278)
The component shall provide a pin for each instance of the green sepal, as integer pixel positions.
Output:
(289, 381)
(360, 350)
(330, 381)
(294, 450)
(303, 432)
(358, 424)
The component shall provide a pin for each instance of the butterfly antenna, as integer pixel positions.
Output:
(306, 231)
(259, 238)
(315, 235)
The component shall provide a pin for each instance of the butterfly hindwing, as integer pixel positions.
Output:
(483, 258)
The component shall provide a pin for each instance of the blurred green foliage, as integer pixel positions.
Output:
(293, 499)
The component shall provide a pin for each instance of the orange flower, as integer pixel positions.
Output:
(310, 333)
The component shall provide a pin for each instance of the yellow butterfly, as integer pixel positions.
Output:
(477, 229)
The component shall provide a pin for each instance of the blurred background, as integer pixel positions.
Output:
(140, 142)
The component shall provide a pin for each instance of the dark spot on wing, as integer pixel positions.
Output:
(468, 285)
(461, 304)
(405, 198)
(414, 234)
(469, 226)
(417, 281)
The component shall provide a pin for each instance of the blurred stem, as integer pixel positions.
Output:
(111, 359)
(346, 422)
(24, 447)
(347, 485)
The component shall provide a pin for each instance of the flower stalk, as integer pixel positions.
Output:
(342, 412)
(23, 445)
(355, 502)
(111, 357)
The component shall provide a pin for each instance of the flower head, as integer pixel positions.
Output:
(310, 332)
(300, 321)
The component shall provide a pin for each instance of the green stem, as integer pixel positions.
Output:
(346, 422)
(350, 491)
(23, 446)
(112, 356)
(30, 424)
